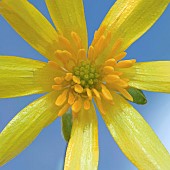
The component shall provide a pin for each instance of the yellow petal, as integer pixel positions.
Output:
(82, 152)
(69, 17)
(21, 76)
(151, 76)
(31, 25)
(134, 136)
(26, 125)
(130, 19)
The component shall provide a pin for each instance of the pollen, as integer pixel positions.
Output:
(83, 79)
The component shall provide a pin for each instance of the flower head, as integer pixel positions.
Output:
(77, 76)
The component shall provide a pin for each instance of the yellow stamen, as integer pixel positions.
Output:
(54, 65)
(86, 104)
(78, 88)
(81, 54)
(68, 76)
(98, 34)
(76, 79)
(108, 70)
(97, 94)
(62, 98)
(125, 93)
(71, 98)
(66, 44)
(108, 38)
(125, 63)
(115, 48)
(57, 87)
(117, 73)
(121, 83)
(100, 106)
(120, 56)
(58, 80)
(89, 93)
(99, 46)
(110, 62)
(59, 56)
(63, 109)
(91, 53)
(76, 107)
(111, 78)
(106, 93)
(76, 39)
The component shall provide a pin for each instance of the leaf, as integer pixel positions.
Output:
(138, 96)
(67, 125)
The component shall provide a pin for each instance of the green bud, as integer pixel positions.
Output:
(67, 125)
(138, 96)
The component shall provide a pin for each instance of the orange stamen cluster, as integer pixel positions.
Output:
(82, 79)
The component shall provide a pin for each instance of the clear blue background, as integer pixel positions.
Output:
(47, 151)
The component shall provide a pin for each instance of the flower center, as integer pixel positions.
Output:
(82, 80)
(87, 73)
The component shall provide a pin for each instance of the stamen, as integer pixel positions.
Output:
(55, 66)
(91, 53)
(81, 54)
(125, 63)
(100, 44)
(110, 62)
(57, 87)
(68, 76)
(89, 93)
(125, 94)
(76, 107)
(86, 104)
(71, 98)
(108, 38)
(58, 80)
(66, 44)
(62, 98)
(111, 78)
(100, 106)
(98, 34)
(108, 70)
(78, 88)
(97, 94)
(106, 93)
(120, 56)
(76, 79)
(115, 48)
(76, 39)
(63, 109)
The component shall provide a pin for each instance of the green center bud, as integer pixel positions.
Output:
(87, 73)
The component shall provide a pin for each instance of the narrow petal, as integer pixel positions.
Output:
(21, 76)
(26, 125)
(31, 25)
(134, 136)
(82, 152)
(151, 76)
(68, 16)
(130, 19)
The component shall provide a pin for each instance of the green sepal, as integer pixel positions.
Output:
(138, 96)
(66, 125)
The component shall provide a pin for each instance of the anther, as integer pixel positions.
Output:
(62, 98)
(87, 104)
(68, 76)
(120, 56)
(76, 107)
(63, 109)
(78, 88)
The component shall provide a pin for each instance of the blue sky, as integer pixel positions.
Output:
(47, 151)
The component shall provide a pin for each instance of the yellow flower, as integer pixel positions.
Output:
(76, 74)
